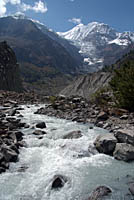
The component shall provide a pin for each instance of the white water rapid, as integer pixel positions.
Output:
(44, 158)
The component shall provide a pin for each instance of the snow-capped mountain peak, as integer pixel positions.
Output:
(74, 33)
(98, 43)
(94, 38)
(81, 31)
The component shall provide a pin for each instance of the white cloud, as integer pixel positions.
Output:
(2, 7)
(24, 7)
(38, 7)
(75, 20)
(3, 4)
(14, 2)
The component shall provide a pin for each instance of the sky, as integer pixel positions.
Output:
(62, 15)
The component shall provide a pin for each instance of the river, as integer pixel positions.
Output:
(52, 155)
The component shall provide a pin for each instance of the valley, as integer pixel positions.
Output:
(66, 111)
(61, 57)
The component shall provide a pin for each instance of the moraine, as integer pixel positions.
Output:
(52, 155)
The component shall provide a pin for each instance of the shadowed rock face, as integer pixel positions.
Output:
(9, 69)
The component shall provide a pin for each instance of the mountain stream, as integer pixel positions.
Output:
(52, 155)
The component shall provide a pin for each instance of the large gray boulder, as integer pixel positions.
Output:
(105, 143)
(125, 136)
(103, 116)
(124, 152)
(99, 193)
(9, 154)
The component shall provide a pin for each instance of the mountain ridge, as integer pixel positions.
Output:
(27, 31)
(92, 39)
(93, 45)
(44, 62)
(49, 62)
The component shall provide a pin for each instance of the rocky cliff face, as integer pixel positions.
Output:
(86, 85)
(9, 69)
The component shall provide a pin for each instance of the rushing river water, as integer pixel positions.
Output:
(44, 158)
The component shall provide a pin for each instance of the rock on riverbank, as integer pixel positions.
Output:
(11, 139)
(118, 121)
(10, 99)
(80, 110)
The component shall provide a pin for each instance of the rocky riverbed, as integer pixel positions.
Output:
(80, 110)
(119, 122)
(11, 137)
(119, 142)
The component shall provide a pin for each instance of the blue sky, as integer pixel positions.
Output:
(62, 15)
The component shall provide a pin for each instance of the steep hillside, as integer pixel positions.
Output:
(32, 46)
(126, 60)
(41, 58)
(71, 49)
(86, 85)
(9, 70)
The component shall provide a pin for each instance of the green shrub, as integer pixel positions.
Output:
(122, 85)
(102, 97)
(52, 99)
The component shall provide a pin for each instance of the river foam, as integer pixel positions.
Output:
(52, 155)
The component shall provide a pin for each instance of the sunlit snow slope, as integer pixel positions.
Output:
(96, 41)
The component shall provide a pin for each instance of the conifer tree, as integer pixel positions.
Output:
(122, 85)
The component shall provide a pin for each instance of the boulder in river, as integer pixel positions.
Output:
(39, 132)
(9, 154)
(2, 169)
(58, 181)
(131, 188)
(125, 136)
(124, 152)
(41, 125)
(99, 193)
(73, 135)
(22, 125)
(105, 143)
